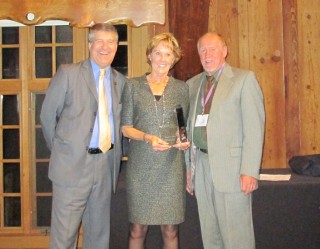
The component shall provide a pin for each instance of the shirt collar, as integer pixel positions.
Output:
(215, 72)
(96, 69)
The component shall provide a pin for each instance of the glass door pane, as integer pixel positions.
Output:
(10, 160)
(10, 53)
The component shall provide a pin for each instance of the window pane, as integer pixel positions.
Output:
(122, 32)
(10, 62)
(39, 101)
(10, 35)
(64, 34)
(11, 149)
(42, 150)
(43, 34)
(10, 110)
(44, 210)
(64, 55)
(11, 176)
(120, 61)
(43, 183)
(12, 211)
(43, 62)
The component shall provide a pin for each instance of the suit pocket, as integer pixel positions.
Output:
(236, 151)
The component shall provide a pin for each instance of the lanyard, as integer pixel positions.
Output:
(204, 100)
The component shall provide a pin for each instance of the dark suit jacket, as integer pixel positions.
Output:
(67, 117)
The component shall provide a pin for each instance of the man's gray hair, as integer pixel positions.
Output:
(102, 27)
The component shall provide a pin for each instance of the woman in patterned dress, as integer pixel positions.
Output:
(155, 172)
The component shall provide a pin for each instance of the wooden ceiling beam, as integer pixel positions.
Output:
(84, 13)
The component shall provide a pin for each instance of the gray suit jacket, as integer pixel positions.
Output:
(235, 129)
(67, 117)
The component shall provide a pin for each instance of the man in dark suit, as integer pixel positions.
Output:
(226, 127)
(83, 175)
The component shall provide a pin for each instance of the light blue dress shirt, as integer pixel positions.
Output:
(94, 143)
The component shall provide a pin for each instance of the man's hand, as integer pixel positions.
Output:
(248, 184)
(188, 185)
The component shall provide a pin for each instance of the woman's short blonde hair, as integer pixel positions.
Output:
(172, 44)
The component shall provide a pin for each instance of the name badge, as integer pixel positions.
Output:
(202, 120)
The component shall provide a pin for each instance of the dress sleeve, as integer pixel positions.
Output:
(127, 105)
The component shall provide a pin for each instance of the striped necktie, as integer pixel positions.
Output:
(104, 124)
(210, 80)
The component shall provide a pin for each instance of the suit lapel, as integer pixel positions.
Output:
(89, 78)
(224, 85)
(116, 84)
(197, 89)
(115, 87)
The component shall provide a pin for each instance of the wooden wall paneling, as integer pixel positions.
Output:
(188, 21)
(243, 23)
(137, 60)
(253, 31)
(223, 19)
(309, 52)
(25, 158)
(30, 242)
(292, 77)
(266, 60)
(81, 50)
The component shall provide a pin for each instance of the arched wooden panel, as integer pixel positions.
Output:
(84, 13)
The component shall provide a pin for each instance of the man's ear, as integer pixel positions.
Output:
(225, 51)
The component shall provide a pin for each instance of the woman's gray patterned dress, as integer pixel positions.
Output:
(155, 180)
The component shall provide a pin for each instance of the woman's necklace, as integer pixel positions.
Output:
(158, 89)
(160, 123)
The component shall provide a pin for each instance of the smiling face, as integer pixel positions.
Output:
(103, 47)
(161, 58)
(212, 51)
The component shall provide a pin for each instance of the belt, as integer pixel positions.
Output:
(204, 150)
(97, 150)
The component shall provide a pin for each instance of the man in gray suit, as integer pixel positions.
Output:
(226, 126)
(82, 175)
